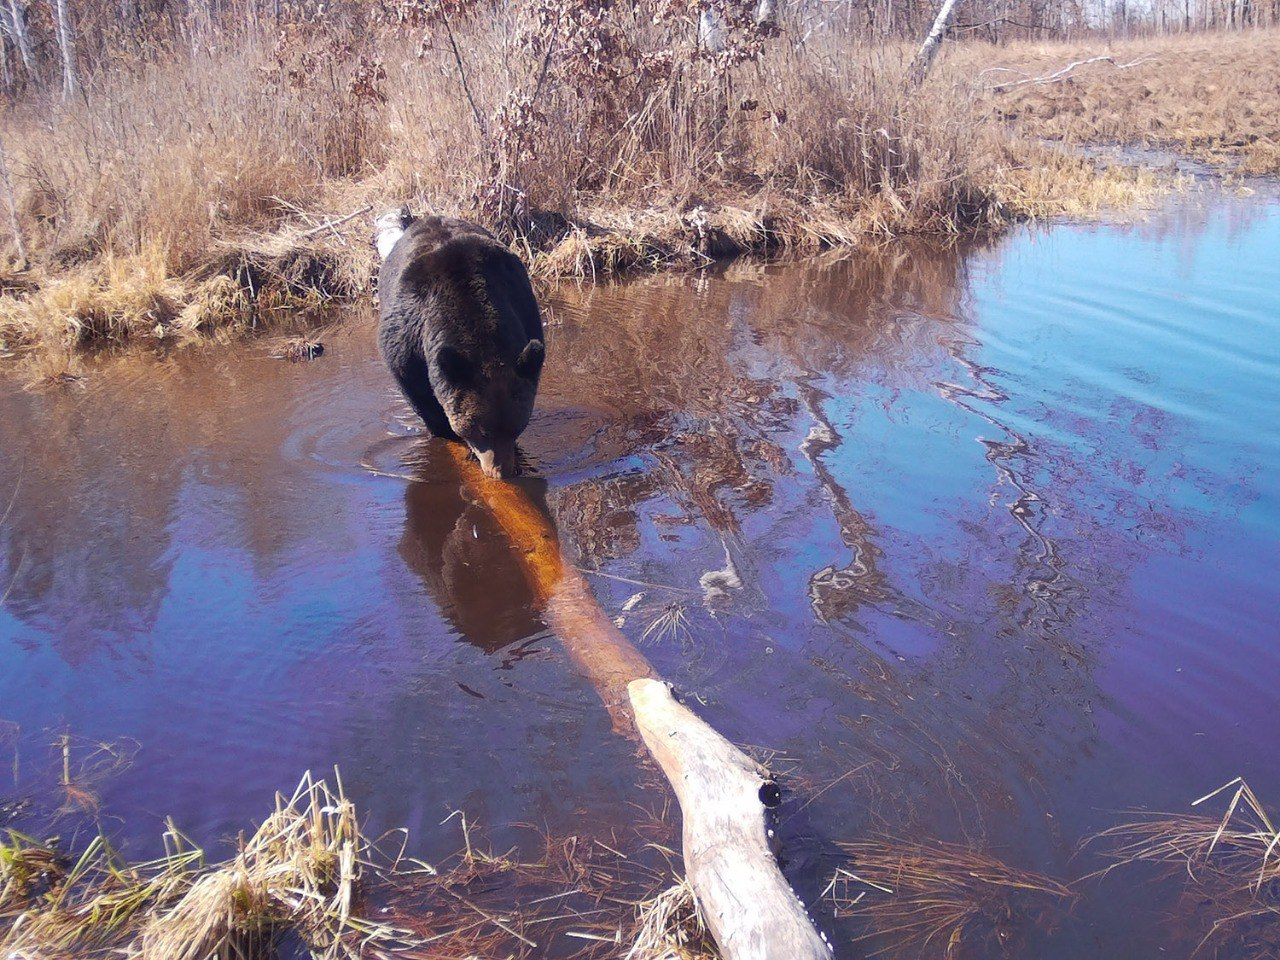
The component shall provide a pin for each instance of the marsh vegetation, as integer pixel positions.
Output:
(200, 177)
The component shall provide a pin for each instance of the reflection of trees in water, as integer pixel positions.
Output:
(108, 472)
(85, 544)
(838, 592)
(741, 375)
(668, 360)
(1042, 598)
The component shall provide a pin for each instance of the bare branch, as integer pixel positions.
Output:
(1059, 75)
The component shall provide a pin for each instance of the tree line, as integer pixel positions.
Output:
(46, 45)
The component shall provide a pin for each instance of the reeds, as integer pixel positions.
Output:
(1230, 866)
(669, 927)
(300, 871)
(147, 224)
(938, 899)
(1213, 96)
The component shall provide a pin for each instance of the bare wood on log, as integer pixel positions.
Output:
(725, 798)
(750, 910)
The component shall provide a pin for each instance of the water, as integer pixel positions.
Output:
(979, 544)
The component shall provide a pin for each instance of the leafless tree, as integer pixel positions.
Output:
(67, 47)
(13, 24)
(12, 205)
(933, 42)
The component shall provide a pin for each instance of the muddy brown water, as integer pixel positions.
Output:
(980, 544)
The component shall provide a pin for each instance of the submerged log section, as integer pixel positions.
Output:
(725, 797)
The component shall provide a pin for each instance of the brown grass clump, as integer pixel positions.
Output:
(28, 868)
(1215, 96)
(594, 137)
(300, 871)
(1230, 867)
(670, 927)
(939, 899)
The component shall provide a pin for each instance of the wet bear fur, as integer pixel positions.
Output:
(461, 333)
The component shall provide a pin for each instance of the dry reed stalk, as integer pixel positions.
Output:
(669, 927)
(300, 871)
(941, 897)
(1230, 866)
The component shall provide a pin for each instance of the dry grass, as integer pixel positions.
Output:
(300, 871)
(1230, 867)
(1214, 96)
(582, 897)
(669, 927)
(150, 222)
(938, 899)
(309, 871)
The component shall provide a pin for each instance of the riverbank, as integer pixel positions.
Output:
(135, 222)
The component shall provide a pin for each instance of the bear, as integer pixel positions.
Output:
(460, 330)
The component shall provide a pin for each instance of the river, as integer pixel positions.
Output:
(979, 544)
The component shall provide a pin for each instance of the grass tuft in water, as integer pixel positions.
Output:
(1230, 866)
(670, 927)
(301, 871)
(943, 896)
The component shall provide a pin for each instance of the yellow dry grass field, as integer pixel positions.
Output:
(1214, 96)
(145, 224)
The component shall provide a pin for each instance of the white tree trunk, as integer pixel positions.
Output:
(15, 23)
(710, 31)
(12, 203)
(67, 46)
(933, 43)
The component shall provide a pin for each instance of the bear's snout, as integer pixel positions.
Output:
(498, 462)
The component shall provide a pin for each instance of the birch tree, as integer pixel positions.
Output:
(11, 203)
(13, 18)
(933, 43)
(67, 47)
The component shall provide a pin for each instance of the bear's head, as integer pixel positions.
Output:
(390, 227)
(489, 403)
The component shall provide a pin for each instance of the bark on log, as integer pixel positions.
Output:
(725, 798)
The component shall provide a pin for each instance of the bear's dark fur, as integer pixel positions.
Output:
(461, 332)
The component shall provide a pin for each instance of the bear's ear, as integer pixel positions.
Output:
(529, 365)
(456, 369)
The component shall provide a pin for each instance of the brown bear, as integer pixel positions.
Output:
(461, 332)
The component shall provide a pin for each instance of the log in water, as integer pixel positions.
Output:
(724, 795)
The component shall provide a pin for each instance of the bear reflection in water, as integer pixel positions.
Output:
(466, 561)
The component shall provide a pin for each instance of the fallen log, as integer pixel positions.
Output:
(725, 797)
(1065, 73)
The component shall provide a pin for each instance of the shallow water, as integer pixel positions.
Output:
(980, 544)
